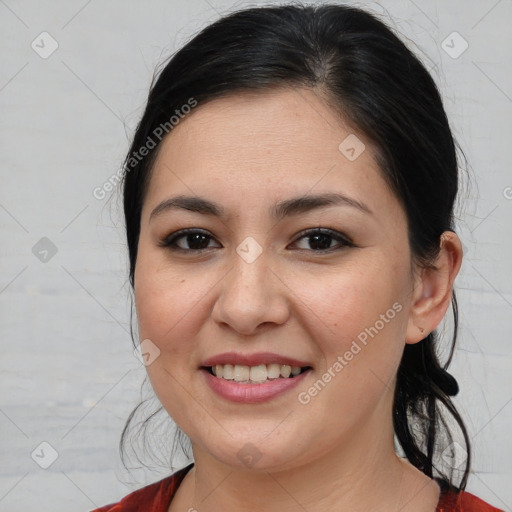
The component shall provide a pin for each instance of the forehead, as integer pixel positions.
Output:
(267, 145)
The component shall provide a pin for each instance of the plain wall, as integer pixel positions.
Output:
(67, 372)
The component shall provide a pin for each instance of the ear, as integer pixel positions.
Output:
(432, 291)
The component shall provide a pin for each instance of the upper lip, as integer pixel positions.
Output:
(252, 359)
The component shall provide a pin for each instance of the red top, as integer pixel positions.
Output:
(157, 497)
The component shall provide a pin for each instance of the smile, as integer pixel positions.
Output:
(245, 374)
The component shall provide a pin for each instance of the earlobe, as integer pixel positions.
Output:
(433, 289)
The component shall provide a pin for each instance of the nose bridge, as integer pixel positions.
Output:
(249, 275)
(250, 295)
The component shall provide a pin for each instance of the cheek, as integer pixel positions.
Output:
(358, 324)
(346, 302)
(171, 307)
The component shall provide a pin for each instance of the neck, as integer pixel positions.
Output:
(364, 473)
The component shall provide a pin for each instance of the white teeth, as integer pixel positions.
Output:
(227, 371)
(273, 371)
(286, 370)
(259, 373)
(241, 373)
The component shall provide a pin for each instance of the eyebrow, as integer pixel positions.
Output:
(289, 207)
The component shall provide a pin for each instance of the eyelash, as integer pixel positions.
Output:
(169, 241)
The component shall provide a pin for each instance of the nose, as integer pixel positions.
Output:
(251, 296)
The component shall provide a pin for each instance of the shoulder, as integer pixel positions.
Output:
(151, 498)
(463, 502)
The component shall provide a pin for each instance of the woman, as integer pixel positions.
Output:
(293, 365)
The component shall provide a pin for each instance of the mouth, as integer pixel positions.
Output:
(257, 374)
(253, 378)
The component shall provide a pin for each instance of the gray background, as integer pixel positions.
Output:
(68, 376)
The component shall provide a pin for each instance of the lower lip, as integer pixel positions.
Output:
(251, 393)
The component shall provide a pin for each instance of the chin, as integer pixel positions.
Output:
(256, 453)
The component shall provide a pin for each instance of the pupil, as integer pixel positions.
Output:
(193, 238)
(322, 238)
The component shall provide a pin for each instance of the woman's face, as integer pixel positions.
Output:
(264, 284)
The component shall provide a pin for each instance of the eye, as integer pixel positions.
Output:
(195, 240)
(320, 239)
